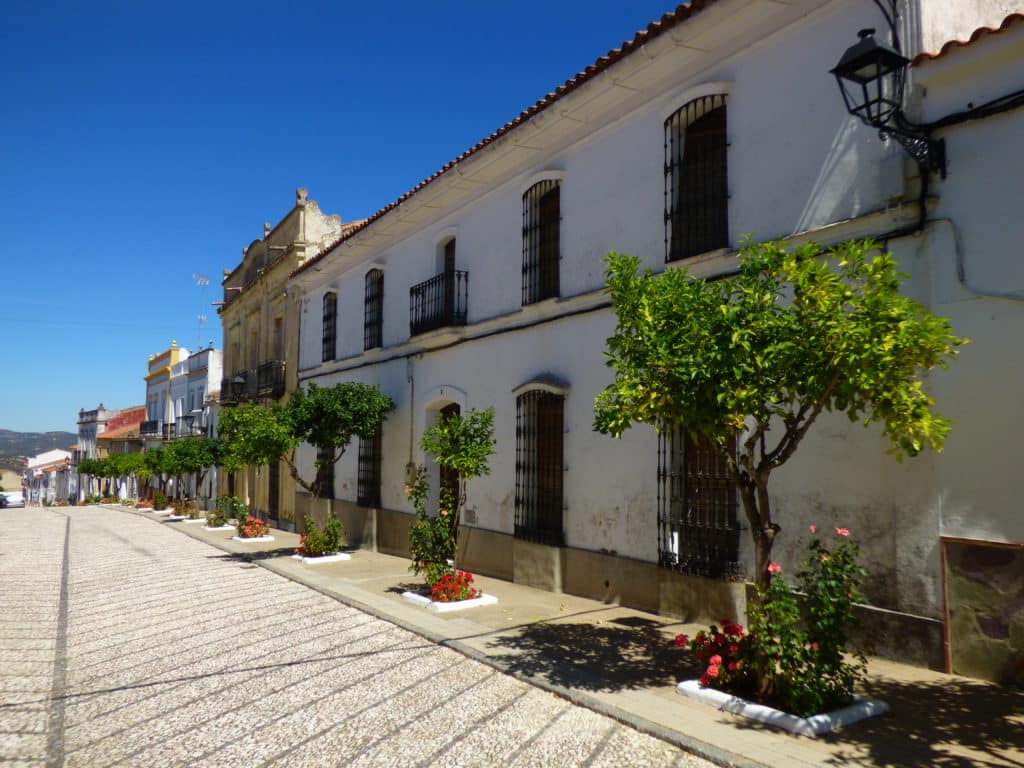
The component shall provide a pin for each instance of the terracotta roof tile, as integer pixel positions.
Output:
(129, 430)
(976, 35)
(656, 28)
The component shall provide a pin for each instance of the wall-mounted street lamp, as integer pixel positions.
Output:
(871, 76)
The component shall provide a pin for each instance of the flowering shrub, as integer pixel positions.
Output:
(144, 504)
(430, 538)
(725, 652)
(451, 587)
(315, 542)
(109, 500)
(159, 501)
(252, 528)
(779, 661)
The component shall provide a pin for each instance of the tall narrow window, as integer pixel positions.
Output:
(539, 467)
(698, 531)
(369, 474)
(696, 179)
(449, 280)
(541, 233)
(330, 325)
(278, 342)
(324, 473)
(254, 348)
(373, 315)
(274, 490)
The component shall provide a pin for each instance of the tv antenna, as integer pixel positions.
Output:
(201, 282)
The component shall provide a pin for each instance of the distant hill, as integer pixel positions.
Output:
(15, 445)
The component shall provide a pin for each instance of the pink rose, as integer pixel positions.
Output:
(842, 531)
(774, 568)
(715, 660)
(712, 671)
(813, 528)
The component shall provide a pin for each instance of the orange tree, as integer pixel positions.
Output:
(761, 354)
(325, 417)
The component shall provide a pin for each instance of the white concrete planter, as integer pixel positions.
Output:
(458, 605)
(163, 512)
(252, 540)
(323, 558)
(174, 518)
(811, 727)
(219, 527)
(197, 520)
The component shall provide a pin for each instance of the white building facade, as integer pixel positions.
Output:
(484, 287)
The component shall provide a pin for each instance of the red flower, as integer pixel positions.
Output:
(734, 665)
(715, 660)
(842, 531)
(774, 568)
(705, 679)
(681, 641)
(712, 671)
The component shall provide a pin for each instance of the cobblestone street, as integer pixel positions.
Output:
(124, 643)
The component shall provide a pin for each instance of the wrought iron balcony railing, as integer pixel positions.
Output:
(150, 428)
(270, 379)
(238, 388)
(439, 302)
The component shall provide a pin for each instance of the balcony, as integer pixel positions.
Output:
(238, 388)
(439, 302)
(149, 428)
(270, 379)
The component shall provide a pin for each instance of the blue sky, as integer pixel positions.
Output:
(143, 143)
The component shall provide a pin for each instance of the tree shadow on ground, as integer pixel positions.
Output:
(625, 653)
(248, 557)
(948, 723)
(417, 587)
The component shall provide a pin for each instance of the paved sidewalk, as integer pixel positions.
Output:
(621, 662)
(123, 643)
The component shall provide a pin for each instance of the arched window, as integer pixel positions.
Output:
(330, 326)
(539, 466)
(369, 470)
(541, 233)
(696, 179)
(373, 314)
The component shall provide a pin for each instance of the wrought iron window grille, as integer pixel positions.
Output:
(698, 527)
(541, 235)
(330, 326)
(696, 179)
(540, 467)
(373, 310)
(369, 472)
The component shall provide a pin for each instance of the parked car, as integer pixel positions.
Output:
(12, 499)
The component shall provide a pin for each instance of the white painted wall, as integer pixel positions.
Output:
(797, 162)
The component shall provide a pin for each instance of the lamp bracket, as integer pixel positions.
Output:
(929, 153)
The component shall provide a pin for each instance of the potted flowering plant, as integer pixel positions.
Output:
(252, 528)
(451, 587)
(793, 656)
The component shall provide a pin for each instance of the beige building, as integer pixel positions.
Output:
(10, 479)
(260, 321)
